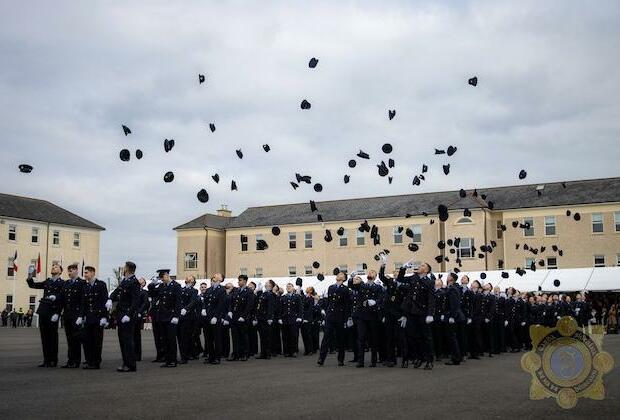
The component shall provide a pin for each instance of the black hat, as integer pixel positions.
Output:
(490, 205)
(25, 168)
(555, 248)
(319, 217)
(493, 243)
(440, 152)
(541, 263)
(483, 276)
(168, 176)
(168, 145)
(390, 163)
(201, 79)
(416, 180)
(431, 221)
(391, 113)
(473, 81)
(503, 228)
(239, 153)
(376, 240)
(364, 226)
(303, 178)
(386, 148)
(452, 251)
(316, 264)
(556, 283)
(340, 231)
(409, 232)
(347, 178)
(363, 155)
(517, 246)
(313, 206)
(294, 185)
(216, 178)
(451, 150)
(446, 169)
(413, 247)
(483, 196)
(450, 242)
(266, 147)
(560, 253)
(233, 185)
(212, 127)
(125, 155)
(364, 266)
(505, 275)
(467, 213)
(275, 231)
(515, 223)
(261, 245)
(313, 62)
(244, 238)
(462, 193)
(305, 104)
(126, 130)
(352, 163)
(299, 282)
(542, 248)
(328, 235)
(318, 187)
(568, 213)
(522, 174)
(577, 217)
(521, 271)
(441, 244)
(424, 169)
(162, 271)
(320, 277)
(203, 196)
(399, 229)
(377, 257)
(383, 170)
(443, 212)
(390, 179)
(439, 258)
(139, 154)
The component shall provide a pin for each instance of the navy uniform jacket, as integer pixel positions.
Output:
(266, 306)
(241, 303)
(420, 299)
(72, 302)
(489, 306)
(308, 308)
(337, 305)
(145, 304)
(522, 308)
(127, 294)
(453, 303)
(214, 302)
(189, 300)
(512, 311)
(467, 302)
(166, 301)
(440, 304)
(500, 312)
(478, 313)
(363, 293)
(532, 314)
(394, 294)
(92, 307)
(292, 308)
(50, 287)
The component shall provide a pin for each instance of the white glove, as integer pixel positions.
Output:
(403, 321)
(558, 317)
(298, 320)
(280, 321)
(139, 316)
(52, 297)
(450, 320)
(372, 302)
(254, 323)
(383, 320)
(203, 312)
(224, 322)
(383, 258)
(213, 321)
(305, 321)
(523, 324)
(229, 315)
(297, 288)
(183, 312)
(323, 312)
(577, 310)
(269, 321)
(468, 321)
(429, 319)
(174, 321)
(593, 320)
(54, 318)
(505, 323)
(259, 287)
(441, 318)
(241, 319)
(487, 320)
(322, 323)
(349, 323)
(353, 274)
(125, 319)
(78, 321)
(103, 322)
(108, 304)
(408, 265)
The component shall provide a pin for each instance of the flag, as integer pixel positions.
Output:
(82, 266)
(15, 262)
(39, 264)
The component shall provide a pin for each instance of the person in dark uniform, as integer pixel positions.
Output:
(72, 293)
(50, 307)
(395, 319)
(489, 309)
(276, 330)
(226, 321)
(213, 311)
(499, 322)
(242, 300)
(419, 305)
(307, 322)
(188, 302)
(478, 315)
(93, 317)
(336, 310)
(265, 312)
(317, 319)
(439, 319)
(143, 311)
(455, 316)
(366, 316)
(513, 318)
(290, 320)
(252, 322)
(127, 296)
(166, 296)
(464, 329)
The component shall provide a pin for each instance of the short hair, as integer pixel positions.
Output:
(430, 269)
(203, 283)
(253, 283)
(477, 282)
(453, 276)
(58, 265)
(89, 268)
(272, 283)
(131, 266)
(242, 277)
(73, 266)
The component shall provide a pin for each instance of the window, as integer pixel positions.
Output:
(56, 238)
(33, 263)
(360, 240)
(76, 239)
(464, 220)
(191, 260)
(618, 260)
(308, 270)
(599, 261)
(12, 233)
(292, 271)
(398, 234)
(10, 271)
(529, 261)
(35, 236)
(292, 240)
(259, 272)
(597, 222)
(617, 220)
(9, 302)
(32, 301)
(549, 225)
(528, 231)
(244, 243)
(500, 264)
(307, 239)
(500, 232)
(243, 270)
(344, 238)
(552, 263)
(360, 267)
(417, 233)
(465, 248)
(259, 238)
(343, 267)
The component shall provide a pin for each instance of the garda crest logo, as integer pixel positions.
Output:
(567, 363)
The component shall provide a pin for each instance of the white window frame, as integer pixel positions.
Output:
(526, 232)
(417, 233)
(9, 302)
(343, 267)
(528, 262)
(599, 256)
(464, 221)
(32, 302)
(360, 237)
(13, 231)
(550, 223)
(243, 271)
(190, 261)
(34, 236)
(258, 237)
(598, 223)
(56, 238)
(244, 244)
(10, 272)
(258, 272)
(292, 271)
(461, 248)
(308, 240)
(617, 221)
(292, 240)
(308, 270)
(78, 236)
(552, 266)
(360, 267)
(344, 239)
(397, 236)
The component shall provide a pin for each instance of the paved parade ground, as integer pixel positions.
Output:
(277, 388)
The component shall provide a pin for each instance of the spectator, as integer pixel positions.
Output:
(5, 317)
(14, 318)
(29, 316)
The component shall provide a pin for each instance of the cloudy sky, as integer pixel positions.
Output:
(73, 72)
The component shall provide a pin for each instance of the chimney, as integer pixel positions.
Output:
(224, 211)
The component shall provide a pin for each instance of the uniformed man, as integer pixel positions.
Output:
(49, 310)
(212, 312)
(307, 322)
(188, 301)
(228, 288)
(478, 316)
(336, 310)
(464, 328)
(127, 296)
(290, 320)
(143, 311)
(395, 319)
(265, 312)
(489, 309)
(439, 320)
(93, 317)
(455, 317)
(252, 322)
(166, 296)
(72, 293)
(242, 300)
(513, 318)
(366, 317)
(499, 322)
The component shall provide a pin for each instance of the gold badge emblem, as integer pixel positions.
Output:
(567, 363)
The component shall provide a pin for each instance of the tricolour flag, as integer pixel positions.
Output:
(39, 264)
(15, 262)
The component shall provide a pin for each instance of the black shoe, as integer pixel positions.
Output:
(243, 359)
(428, 366)
(70, 366)
(320, 362)
(475, 357)
(390, 364)
(452, 363)
(360, 365)
(183, 362)
(405, 364)
(373, 364)
(169, 365)
(232, 359)
(44, 364)
(125, 369)
(87, 366)
(417, 364)
(340, 363)
(158, 361)
(353, 361)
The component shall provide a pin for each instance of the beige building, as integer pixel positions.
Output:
(39, 229)
(478, 235)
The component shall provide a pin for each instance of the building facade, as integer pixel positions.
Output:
(40, 233)
(496, 228)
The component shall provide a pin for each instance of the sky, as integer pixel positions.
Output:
(73, 72)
